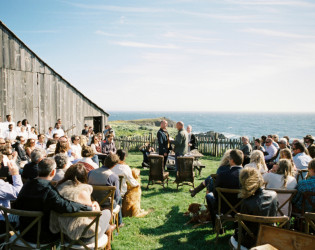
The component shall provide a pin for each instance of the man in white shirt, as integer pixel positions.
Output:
(10, 133)
(58, 130)
(8, 122)
(41, 142)
(270, 149)
(23, 133)
(76, 147)
(300, 159)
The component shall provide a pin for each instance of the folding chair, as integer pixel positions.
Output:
(308, 197)
(71, 244)
(221, 219)
(284, 198)
(121, 177)
(156, 172)
(286, 239)
(104, 195)
(309, 221)
(17, 241)
(282, 220)
(302, 175)
(185, 171)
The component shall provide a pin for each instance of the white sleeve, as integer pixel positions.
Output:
(132, 181)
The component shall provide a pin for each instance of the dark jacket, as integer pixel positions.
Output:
(108, 148)
(262, 203)
(40, 195)
(30, 171)
(228, 179)
(193, 142)
(20, 151)
(163, 141)
(84, 132)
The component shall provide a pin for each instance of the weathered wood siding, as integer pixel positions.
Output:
(31, 89)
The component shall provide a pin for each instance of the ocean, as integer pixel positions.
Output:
(234, 125)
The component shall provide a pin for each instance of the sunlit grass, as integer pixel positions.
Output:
(164, 227)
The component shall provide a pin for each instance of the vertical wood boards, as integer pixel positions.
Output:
(6, 53)
(1, 49)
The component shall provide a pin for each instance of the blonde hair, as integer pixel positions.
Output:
(258, 157)
(285, 169)
(225, 160)
(83, 141)
(286, 154)
(250, 180)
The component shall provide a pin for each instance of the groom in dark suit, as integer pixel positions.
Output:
(227, 179)
(163, 141)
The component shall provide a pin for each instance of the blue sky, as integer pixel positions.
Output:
(176, 55)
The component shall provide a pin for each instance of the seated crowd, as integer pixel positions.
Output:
(55, 175)
(273, 164)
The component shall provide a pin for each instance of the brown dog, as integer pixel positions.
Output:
(131, 202)
(199, 214)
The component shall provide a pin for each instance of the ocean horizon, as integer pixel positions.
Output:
(232, 124)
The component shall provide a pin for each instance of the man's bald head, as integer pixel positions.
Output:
(179, 125)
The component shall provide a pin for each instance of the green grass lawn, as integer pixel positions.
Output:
(164, 227)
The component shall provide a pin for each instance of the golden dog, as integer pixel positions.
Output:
(131, 202)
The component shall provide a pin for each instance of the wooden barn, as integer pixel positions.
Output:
(30, 89)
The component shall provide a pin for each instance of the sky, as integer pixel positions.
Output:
(176, 55)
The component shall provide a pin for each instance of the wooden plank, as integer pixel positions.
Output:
(29, 60)
(6, 50)
(1, 48)
(12, 53)
(22, 53)
(35, 99)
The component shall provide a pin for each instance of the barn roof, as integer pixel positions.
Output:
(32, 52)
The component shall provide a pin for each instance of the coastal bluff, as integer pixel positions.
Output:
(155, 122)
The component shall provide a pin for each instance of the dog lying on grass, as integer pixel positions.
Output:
(131, 202)
(199, 214)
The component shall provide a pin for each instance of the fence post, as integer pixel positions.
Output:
(216, 144)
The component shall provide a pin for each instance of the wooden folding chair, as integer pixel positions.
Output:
(121, 177)
(185, 171)
(17, 241)
(221, 219)
(156, 172)
(302, 175)
(104, 195)
(71, 244)
(281, 220)
(299, 216)
(309, 221)
(281, 238)
(284, 198)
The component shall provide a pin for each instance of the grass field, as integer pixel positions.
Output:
(164, 227)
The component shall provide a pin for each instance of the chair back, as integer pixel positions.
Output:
(104, 195)
(121, 177)
(89, 214)
(185, 169)
(37, 219)
(308, 199)
(284, 239)
(222, 197)
(309, 221)
(241, 218)
(284, 198)
(156, 163)
(302, 175)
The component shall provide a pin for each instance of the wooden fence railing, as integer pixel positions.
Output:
(206, 144)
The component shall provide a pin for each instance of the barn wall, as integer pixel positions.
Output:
(32, 90)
